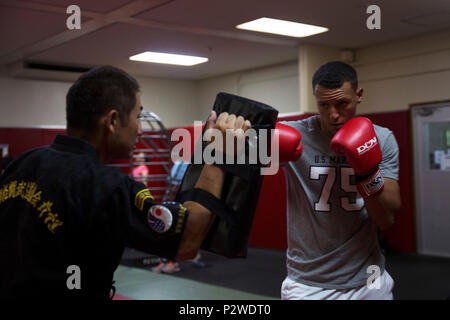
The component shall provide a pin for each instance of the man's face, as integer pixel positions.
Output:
(336, 106)
(127, 136)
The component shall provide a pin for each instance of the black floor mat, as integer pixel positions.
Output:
(416, 277)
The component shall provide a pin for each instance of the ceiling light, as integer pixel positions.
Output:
(282, 27)
(168, 58)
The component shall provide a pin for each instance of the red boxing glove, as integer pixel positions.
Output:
(359, 143)
(289, 145)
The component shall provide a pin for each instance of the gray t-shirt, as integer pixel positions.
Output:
(331, 239)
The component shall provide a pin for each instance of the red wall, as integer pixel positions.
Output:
(269, 228)
(23, 139)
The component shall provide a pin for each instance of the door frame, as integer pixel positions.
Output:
(411, 107)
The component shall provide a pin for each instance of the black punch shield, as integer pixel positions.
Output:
(229, 235)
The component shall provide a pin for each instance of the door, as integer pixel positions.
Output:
(431, 137)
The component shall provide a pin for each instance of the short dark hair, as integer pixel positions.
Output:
(96, 92)
(333, 74)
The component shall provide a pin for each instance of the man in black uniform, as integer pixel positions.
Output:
(62, 211)
(6, 161)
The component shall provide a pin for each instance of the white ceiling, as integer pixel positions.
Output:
(113, 30)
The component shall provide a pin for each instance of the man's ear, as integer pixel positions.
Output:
(359, 94)
(111, 121)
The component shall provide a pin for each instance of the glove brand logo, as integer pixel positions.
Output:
(374, 184)
(159, 218)
(367, 146)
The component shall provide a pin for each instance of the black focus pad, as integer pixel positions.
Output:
(259, 114)
(230, 232)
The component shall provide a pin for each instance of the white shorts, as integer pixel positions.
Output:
(291, 290)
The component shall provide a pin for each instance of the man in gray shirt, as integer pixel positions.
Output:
(337, 199)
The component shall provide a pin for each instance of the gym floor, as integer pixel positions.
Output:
(259, 277)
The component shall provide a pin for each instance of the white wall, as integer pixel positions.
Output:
(310, 58)
(397, 74)
(276, 86)
(27, 103)
(174, 101)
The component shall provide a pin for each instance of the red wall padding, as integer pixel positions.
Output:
(269, 228)
(23, 139)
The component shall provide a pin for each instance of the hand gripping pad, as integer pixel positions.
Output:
(230, 232)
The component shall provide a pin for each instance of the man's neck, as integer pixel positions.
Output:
(95, 140)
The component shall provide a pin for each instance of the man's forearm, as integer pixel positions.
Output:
(211, 180)
(382, 209)
(200, 218)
